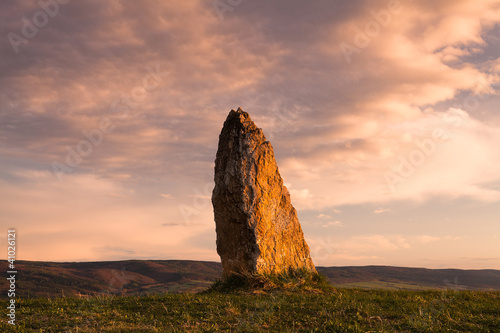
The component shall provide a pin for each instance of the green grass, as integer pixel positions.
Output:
(341, 310)
(292, 281)
(382, 285)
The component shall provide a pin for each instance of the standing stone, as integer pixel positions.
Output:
(257, 227)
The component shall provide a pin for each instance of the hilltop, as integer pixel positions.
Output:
(140, 277)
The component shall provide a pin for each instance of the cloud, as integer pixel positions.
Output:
(84, 212)
(382, 210)
(176, 224)
(379, 248)
(405, 162)
(59, 104)
(470, 258)
(426, 239)
(114, 250)
(357, 244)
(412, 116)
(333, 223)
(301, 198)
(171, 224)
(363, 248)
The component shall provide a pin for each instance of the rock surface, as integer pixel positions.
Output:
(257, 227)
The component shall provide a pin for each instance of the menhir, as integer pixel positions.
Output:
(257, 227)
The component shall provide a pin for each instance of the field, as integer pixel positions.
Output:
(340, 310)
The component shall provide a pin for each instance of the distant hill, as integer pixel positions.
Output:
(137, 277)
(412, 278)
(130, 277)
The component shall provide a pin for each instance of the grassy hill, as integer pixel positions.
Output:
(141, 277)
(130, 277)
(342, 310)
(412, 278)
(159, 296)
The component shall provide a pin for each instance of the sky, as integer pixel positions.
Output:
(383, 116)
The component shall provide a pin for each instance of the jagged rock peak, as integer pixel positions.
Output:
(257, 226)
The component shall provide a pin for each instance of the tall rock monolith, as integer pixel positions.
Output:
(257, 227)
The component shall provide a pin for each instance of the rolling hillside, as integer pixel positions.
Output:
(138, 277)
